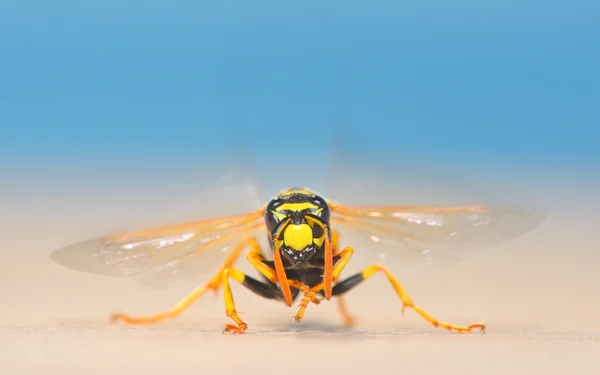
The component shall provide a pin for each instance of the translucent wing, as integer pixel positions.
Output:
(422, 235)
(159, 257)
(442, 233)
(165, 255)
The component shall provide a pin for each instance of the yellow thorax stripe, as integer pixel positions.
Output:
(296, 206)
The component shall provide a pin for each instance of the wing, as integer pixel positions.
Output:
(423, 235)
(165, 255)
(442, 233)
(161, 256)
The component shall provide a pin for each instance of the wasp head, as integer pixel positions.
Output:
(297, 221)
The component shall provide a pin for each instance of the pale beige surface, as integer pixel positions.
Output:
(539, 295)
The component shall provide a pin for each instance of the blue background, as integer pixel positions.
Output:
(170, 82)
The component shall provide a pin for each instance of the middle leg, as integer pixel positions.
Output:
(347, 318)
(212, 284)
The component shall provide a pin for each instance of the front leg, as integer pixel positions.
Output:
(338, 267)
(260, 288)
(258, 262)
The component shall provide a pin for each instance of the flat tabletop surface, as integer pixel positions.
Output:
(537, 294)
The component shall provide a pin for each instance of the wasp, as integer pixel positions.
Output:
(304, 259)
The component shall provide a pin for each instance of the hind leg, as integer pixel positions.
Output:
(352, 281)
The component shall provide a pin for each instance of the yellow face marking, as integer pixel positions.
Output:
(279, 215)
(298, 237)
(319, 241)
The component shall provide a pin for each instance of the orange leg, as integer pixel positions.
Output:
(213, 284)
(230, 309)
(347, 318)
(257, 261)
(231, 273)
(405, 298)
(338, 267)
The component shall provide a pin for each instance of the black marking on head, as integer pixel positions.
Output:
(297, 207)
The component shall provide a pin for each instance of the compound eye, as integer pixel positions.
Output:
(324, 214)
(271, 221)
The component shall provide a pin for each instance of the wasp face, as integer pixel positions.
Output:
(297, 220)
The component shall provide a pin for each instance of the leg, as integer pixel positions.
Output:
(347, 317)
(265, 290)
(254, 285)
(213, 284)
(338, 267)
(353, 281)
(269, 273)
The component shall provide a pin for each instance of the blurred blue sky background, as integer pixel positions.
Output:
(106, 82)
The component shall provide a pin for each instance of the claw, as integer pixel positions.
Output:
(115, 317)
(235, 329)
